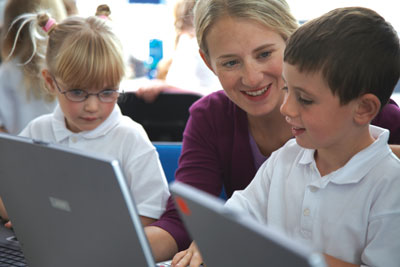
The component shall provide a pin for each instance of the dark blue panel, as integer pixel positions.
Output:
(145, 1)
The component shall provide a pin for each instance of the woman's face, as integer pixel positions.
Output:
(247, 57)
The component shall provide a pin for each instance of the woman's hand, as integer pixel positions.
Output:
(189, 257)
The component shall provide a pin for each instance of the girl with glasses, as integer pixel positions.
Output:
(83, 68)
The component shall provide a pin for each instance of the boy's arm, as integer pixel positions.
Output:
(395, 150)
(335, 262)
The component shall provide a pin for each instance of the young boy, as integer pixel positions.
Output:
(336, 185)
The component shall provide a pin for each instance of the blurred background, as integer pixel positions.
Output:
(138, 21)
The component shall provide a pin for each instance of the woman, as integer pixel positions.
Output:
(230, 133)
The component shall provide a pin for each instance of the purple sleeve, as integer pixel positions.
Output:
(389, 118)
(199, 165)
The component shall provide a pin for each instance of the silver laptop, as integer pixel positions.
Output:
(225, 238)
(69, 208)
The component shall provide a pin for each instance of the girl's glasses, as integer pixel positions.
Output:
(79, 95)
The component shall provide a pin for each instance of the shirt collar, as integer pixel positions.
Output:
(359, 165)
(61, 132)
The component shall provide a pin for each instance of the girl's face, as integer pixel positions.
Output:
(247, 58)
(87, 114)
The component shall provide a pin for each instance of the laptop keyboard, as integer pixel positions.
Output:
(11, 257)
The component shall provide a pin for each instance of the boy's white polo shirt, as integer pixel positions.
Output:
(119, 137)
(352, 213)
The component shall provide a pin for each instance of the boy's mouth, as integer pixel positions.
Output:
(297, 131)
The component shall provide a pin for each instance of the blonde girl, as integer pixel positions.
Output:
(83, 69)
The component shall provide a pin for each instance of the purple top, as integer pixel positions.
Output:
(216, 152)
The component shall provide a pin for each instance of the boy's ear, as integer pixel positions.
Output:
(206, 60)
(48, 79)
(368, 106)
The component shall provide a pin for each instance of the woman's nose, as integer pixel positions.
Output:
(252, 76)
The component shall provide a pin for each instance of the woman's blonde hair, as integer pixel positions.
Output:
(274, 14)
(21, 48)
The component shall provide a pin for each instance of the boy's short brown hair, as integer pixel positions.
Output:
(355, 49)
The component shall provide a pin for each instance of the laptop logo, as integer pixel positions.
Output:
(182, 205)
(60, 204)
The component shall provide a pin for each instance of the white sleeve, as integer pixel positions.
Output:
(254, 198)
(145, 177)
(383, 245)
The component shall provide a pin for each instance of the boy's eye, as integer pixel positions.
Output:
(304, 101)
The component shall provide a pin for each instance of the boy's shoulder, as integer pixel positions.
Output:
(289, 152)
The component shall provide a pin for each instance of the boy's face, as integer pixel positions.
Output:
(318, 120)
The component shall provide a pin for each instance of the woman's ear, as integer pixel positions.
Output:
(368, 106)
(48, 80)
(206, 60)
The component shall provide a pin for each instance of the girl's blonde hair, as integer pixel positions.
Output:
(274, 14)
(21, 48)
(82, 52)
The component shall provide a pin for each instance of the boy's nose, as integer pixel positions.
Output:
(288, 107)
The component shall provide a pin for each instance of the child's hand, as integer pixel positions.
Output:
(189, 257)
(3, 212)
(8, 224)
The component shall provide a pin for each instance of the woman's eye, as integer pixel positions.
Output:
(265, 54)
(230, 63)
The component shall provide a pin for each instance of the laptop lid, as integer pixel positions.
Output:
(69, 208)
(225, 238)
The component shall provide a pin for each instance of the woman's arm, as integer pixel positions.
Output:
(146, 220)
(199, 166)
(395, 150)
(161, 242)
